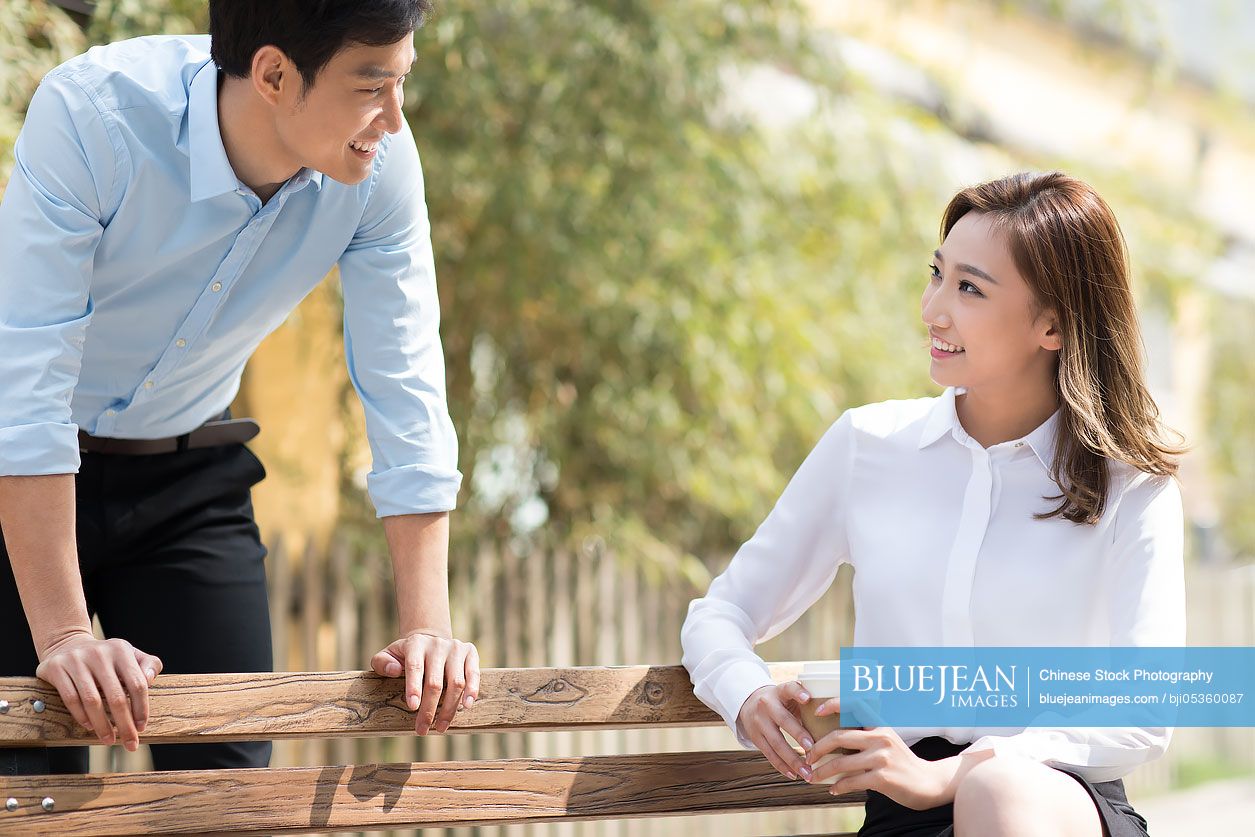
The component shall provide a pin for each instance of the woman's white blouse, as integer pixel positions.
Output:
(945, 551)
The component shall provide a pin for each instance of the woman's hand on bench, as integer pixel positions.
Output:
(770, 712)
(441, 676)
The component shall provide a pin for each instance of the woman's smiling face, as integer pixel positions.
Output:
(977, 302)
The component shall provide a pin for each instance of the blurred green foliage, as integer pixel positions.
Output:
(33, 40)
(653, 305)
(651, 309)
(1231, 420)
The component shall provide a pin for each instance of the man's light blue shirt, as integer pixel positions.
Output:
(137, 274)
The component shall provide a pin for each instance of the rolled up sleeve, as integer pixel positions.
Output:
(51, 223)
(392, 342)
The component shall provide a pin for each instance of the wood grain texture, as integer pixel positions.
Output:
(304, 800)
(235, 707)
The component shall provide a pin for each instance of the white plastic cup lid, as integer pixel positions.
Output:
(821, 685)
(822, 667)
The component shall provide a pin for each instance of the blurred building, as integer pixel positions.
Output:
(1139, 91)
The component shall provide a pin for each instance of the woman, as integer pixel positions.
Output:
(1031, 504)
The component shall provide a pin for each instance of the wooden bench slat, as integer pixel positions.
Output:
(427, 795)
(234, 707)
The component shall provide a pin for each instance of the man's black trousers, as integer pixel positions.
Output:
(173, 563)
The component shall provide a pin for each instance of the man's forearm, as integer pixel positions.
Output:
(419, 544)
(37, 516)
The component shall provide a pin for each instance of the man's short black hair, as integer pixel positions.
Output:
(309, 32)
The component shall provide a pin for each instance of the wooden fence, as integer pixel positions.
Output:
(333, 611)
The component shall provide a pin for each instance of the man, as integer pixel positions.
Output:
(173, 200)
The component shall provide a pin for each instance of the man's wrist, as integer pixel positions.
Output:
(60, 638)
(443, 633)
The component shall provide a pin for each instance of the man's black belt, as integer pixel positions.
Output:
(208, 435)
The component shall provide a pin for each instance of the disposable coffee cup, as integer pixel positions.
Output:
(822, 681)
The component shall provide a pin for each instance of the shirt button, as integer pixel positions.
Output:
(1019, 444)
(111, 412)
(216, 286)
(180, 342)
(148, 384)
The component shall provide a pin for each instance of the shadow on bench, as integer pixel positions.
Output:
(224, 707)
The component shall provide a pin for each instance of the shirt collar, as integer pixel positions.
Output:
(943, 418)
(308, 175)
(211, 171)
(212, 174)
(1044, 439)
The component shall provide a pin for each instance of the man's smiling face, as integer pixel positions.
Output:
(336, 125)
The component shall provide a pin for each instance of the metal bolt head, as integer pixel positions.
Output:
(39, 706)
(48, 804)
(11, 805)
(4, 707)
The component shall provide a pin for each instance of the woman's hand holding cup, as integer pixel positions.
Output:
(766, 715)
(821, 715)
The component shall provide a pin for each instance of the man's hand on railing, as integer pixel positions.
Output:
(104, 684)
(441, 676)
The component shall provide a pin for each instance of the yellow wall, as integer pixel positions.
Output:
(294, 386)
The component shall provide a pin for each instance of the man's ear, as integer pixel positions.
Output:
(271, 72)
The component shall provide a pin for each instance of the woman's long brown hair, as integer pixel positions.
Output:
(1068, 246)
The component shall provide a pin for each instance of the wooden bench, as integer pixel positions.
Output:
(201, 708)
